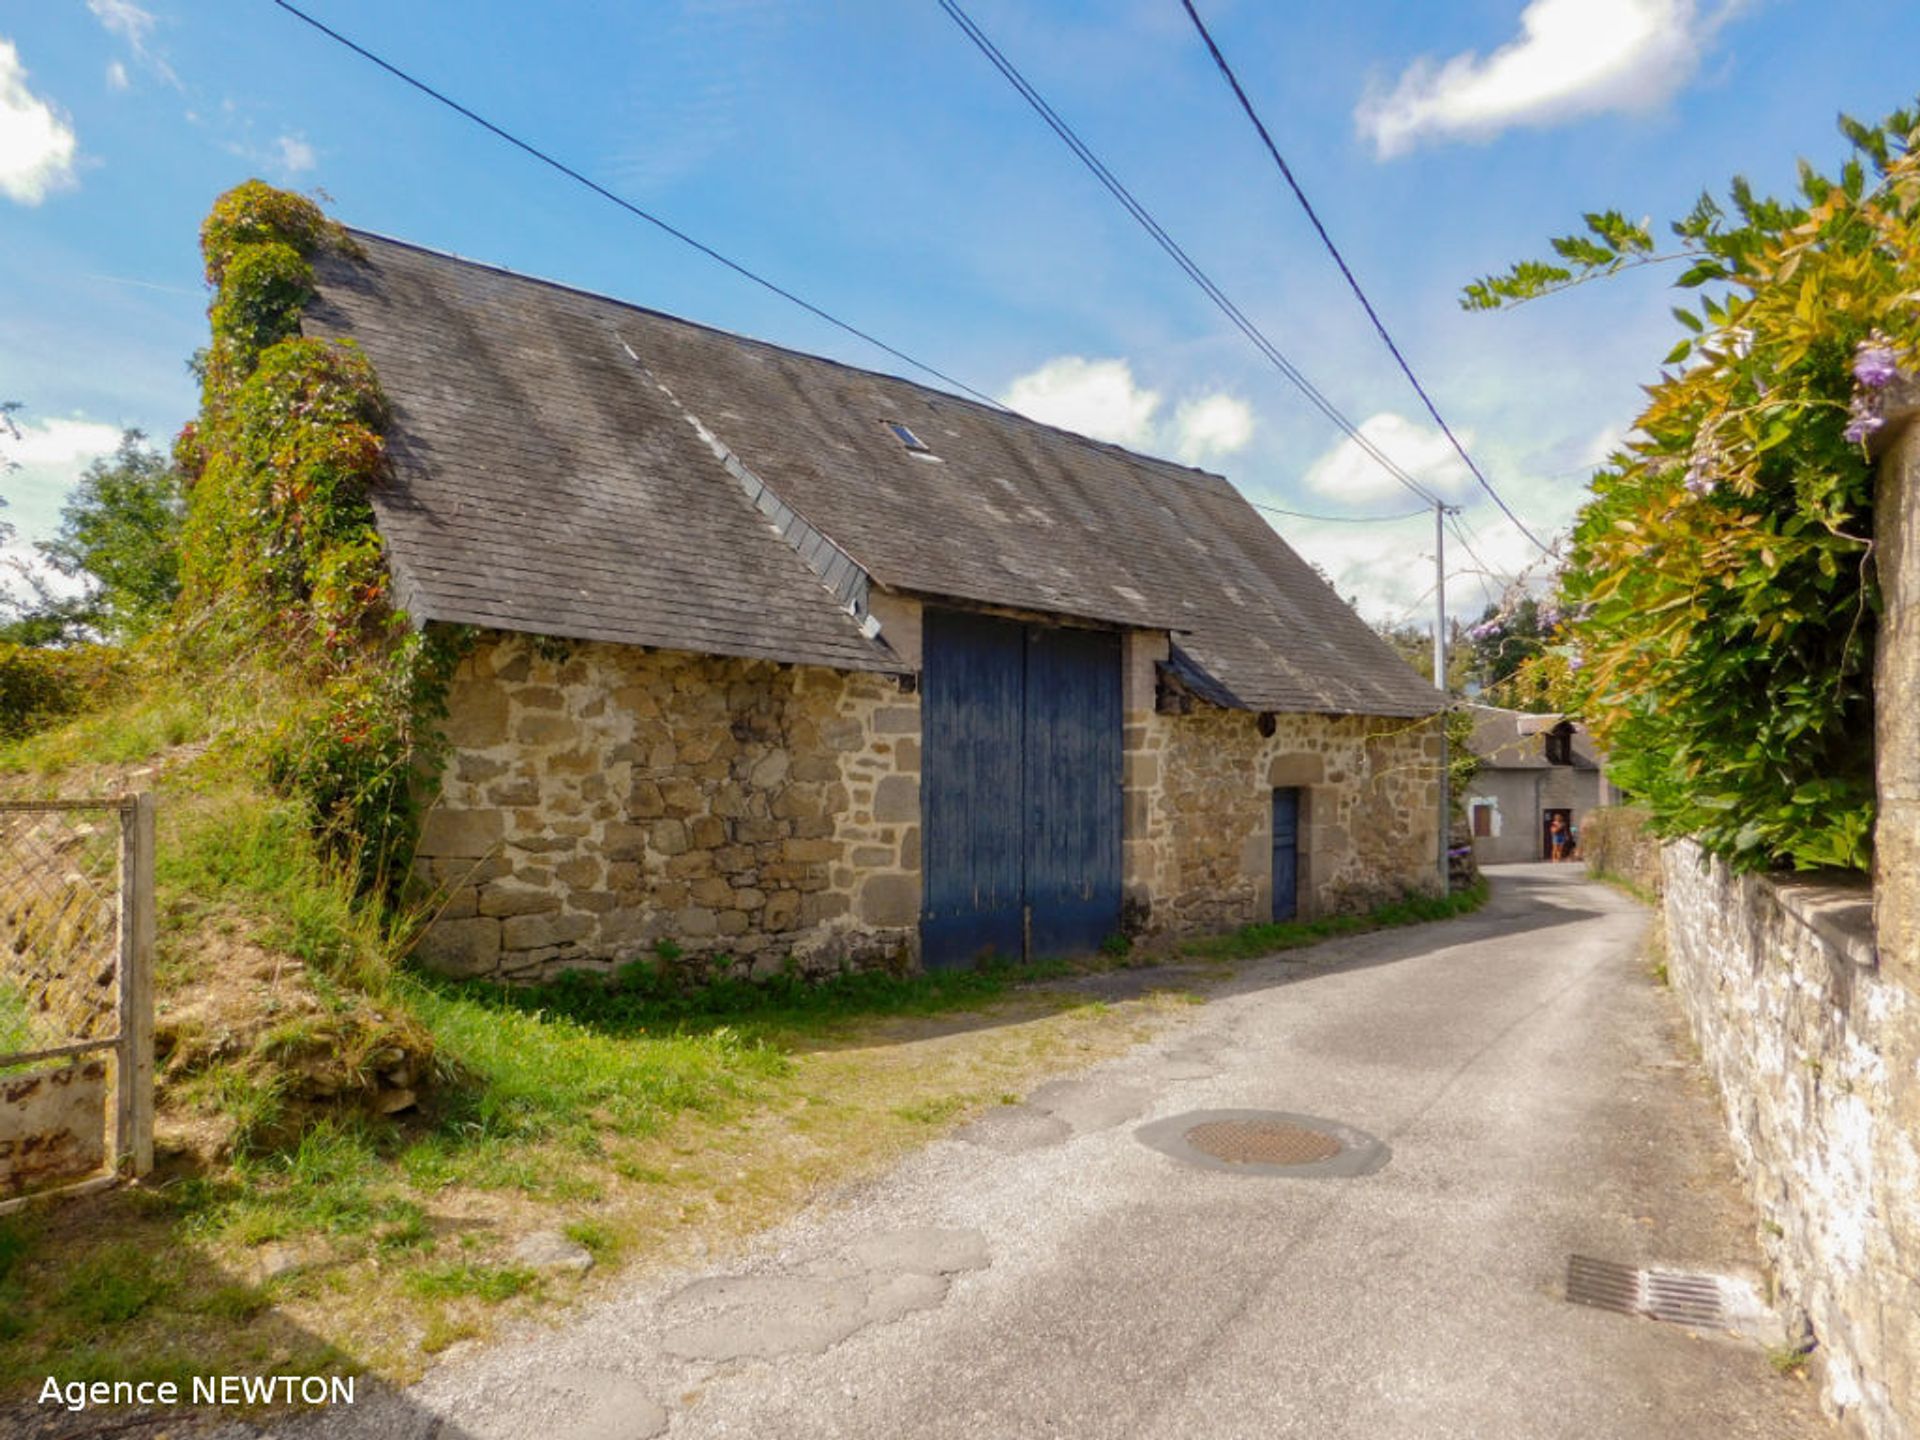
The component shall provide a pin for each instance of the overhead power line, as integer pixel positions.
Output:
(1343, 519)
(675, 232)
(1353, 284)
(654, 220)
(1180, 257)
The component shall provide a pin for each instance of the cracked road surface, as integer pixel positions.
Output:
(1044, 1273)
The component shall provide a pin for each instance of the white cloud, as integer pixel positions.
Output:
(295, 155)
(1097, 398)
(130, 23)
(125, 19)
(51, 454)
(1347, 472)
(1101, 399)
(59, 442)
(117, 76)
(36, 145)
(1571, 58)
(1213, 425)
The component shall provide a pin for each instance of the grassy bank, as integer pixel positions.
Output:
(376, 1243)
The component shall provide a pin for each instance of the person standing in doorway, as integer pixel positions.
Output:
(1559, 839)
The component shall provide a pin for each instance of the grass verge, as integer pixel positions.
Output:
(375, 1244)
(1252, 941)
(1626, 886)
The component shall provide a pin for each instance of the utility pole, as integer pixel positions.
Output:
(1440, 596)
(1440, 682)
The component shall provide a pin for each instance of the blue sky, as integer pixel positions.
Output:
(863, 154)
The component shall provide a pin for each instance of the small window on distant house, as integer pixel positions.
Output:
(1483, 822)
(1560, 744)
(906, 437)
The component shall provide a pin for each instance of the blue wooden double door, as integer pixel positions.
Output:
(1020, 788)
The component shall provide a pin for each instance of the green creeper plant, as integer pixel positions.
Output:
(1719, 590)
(279, 554)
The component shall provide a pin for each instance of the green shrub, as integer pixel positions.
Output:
(38, 685)
(1720, 584)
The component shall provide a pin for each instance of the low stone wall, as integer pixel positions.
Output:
(1200, 814)
(1615, 841)
(53, 1125)
(1816, 1053)
(602, 799)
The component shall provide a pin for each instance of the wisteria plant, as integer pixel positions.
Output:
(1719, 589)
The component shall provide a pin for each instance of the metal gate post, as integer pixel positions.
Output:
(134, 1065)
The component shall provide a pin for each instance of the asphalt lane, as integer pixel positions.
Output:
(1045, 1273)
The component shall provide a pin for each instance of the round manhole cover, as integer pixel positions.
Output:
(1265, 1142)
(1262, 1142)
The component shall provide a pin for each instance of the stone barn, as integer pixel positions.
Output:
(788, 661)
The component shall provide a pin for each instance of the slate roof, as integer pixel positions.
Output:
(545, 483)
(1516, 740)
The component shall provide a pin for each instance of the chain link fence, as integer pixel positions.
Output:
(76, 1024)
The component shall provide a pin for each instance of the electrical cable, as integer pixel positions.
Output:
(1353, 284)
(1341, 519)
(549, 160)
(572, 174)
(1179, 256)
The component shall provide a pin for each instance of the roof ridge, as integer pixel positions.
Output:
(1173, 466)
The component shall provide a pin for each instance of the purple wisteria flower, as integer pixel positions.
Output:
(1863, 417)
(1702, 465)
(1575, 663)
(1875, 365)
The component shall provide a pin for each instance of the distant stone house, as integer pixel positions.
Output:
(1532, 767)
(782, 658)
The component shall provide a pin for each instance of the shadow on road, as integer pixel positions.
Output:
(1524, 898)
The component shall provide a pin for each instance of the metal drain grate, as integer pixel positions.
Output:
(1679, 1297)
(1262, 1142)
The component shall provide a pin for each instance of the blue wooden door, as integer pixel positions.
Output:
(1286, 853)
(1020, 788)
(972, 715)
(1072, 778)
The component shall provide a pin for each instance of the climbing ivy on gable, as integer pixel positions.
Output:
(280, 558)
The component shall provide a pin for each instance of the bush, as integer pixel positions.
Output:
(39, 686)
(1720, 584)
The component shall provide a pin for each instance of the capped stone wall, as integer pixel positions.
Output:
(1814, 1042)
(602, 799)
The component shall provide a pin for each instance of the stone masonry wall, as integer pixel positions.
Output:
(601, 799)
(1199, 813)
(1896, 684)
(1808, 1039)
(59, 923)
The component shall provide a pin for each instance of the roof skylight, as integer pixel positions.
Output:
(907, 438)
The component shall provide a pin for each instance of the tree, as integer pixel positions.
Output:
(119, 537)
(1414, 644)
(1503, 640)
